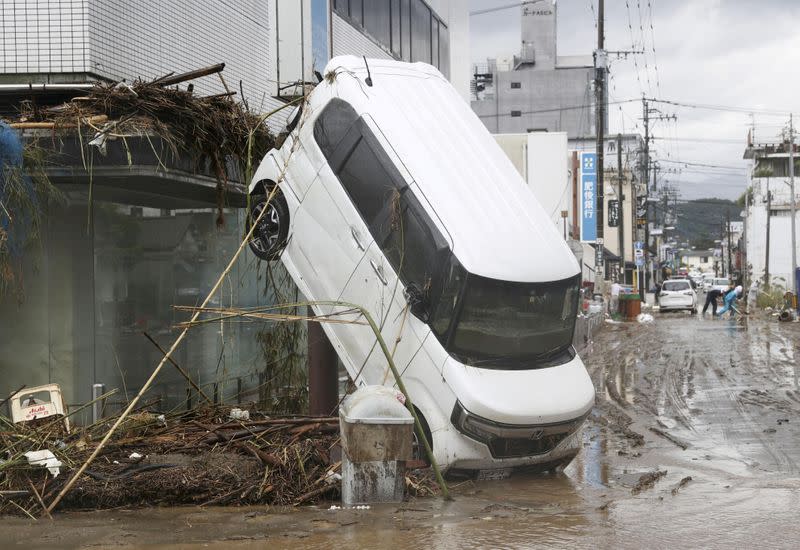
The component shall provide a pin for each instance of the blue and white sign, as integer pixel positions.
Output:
(638, 253)
(588, 197)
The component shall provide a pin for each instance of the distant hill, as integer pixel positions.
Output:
(701, 221)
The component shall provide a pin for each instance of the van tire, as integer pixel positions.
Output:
(417, 449)
(269, 238)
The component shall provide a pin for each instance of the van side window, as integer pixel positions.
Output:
(332, 125)
(370, 186)
(413, 244)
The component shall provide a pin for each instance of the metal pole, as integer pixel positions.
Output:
(769, 216)
(599, 90)
(728, 229)
(794, 206)
(621, 228)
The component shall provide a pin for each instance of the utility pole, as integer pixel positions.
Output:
(600, 99)
(728, 230)
(621, 226)
(794, 206)
(645, 112)
(769, 216)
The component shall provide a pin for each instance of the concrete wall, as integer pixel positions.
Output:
(541, 159)
(780, 250)
(118, 39)
(36, 40)
(539, 34)
(539, 98)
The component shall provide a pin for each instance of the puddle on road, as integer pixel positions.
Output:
(717, 387)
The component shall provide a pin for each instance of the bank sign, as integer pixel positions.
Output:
(588, 197)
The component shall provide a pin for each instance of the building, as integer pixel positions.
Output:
(548, 161)
(310, 32)
(768, 239)
(704, 261)
(537, 90)
(136, 234)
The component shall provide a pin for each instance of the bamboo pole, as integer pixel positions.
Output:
(180, 370)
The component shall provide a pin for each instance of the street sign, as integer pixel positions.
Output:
(588, 197)
(638, 253)
(613, 213)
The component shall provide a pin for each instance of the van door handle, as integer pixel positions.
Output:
(354, 233)
(378, 271)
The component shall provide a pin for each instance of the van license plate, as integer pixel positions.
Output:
(493, 475)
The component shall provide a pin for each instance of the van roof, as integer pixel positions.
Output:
(498, 228)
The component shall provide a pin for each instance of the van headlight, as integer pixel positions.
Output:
(474, 426)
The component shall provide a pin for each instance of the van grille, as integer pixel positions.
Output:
(506, 447)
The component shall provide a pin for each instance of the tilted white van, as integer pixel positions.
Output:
(393, 196)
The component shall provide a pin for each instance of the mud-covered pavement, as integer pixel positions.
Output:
(694, 442)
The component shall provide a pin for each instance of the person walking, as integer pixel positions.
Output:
(730, 300)
(711, 300)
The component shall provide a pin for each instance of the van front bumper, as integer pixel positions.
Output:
(478, 444)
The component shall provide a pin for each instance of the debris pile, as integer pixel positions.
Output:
(199, 457)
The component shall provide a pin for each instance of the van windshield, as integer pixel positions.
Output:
(507, 325)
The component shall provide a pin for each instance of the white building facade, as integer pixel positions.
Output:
(768, 215)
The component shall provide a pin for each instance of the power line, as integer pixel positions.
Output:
(702, 140)
(557, 109)
(653, 46)
(694, 163)
(710, 107)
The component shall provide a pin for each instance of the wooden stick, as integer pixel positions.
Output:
(39, 497)
(191, 75)
(180, 370)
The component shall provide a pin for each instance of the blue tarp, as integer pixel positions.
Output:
(11, 164)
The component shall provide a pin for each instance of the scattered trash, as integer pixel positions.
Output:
(646, 481)
(357, 507)
(134, 456)
(239, 414)
(46, 459)
(644, 318)
(37, 403)
(681, 484)
(613, 322)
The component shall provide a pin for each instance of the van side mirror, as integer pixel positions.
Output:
(418, 301)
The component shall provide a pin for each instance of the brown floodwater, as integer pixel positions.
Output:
(694, 442)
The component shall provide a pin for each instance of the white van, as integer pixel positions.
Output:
(396, 195)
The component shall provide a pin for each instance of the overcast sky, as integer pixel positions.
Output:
(730, 53)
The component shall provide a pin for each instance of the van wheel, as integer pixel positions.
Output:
(269, 236)
(417, 447)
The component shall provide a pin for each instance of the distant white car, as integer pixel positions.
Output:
(677, 294)
(708, 279)
(720, 284)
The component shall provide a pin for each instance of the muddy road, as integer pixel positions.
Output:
(694, 442)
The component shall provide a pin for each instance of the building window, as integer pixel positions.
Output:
(704, 259)
(516, 114)
(516, 85)
(408, 29)
(420, 32)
